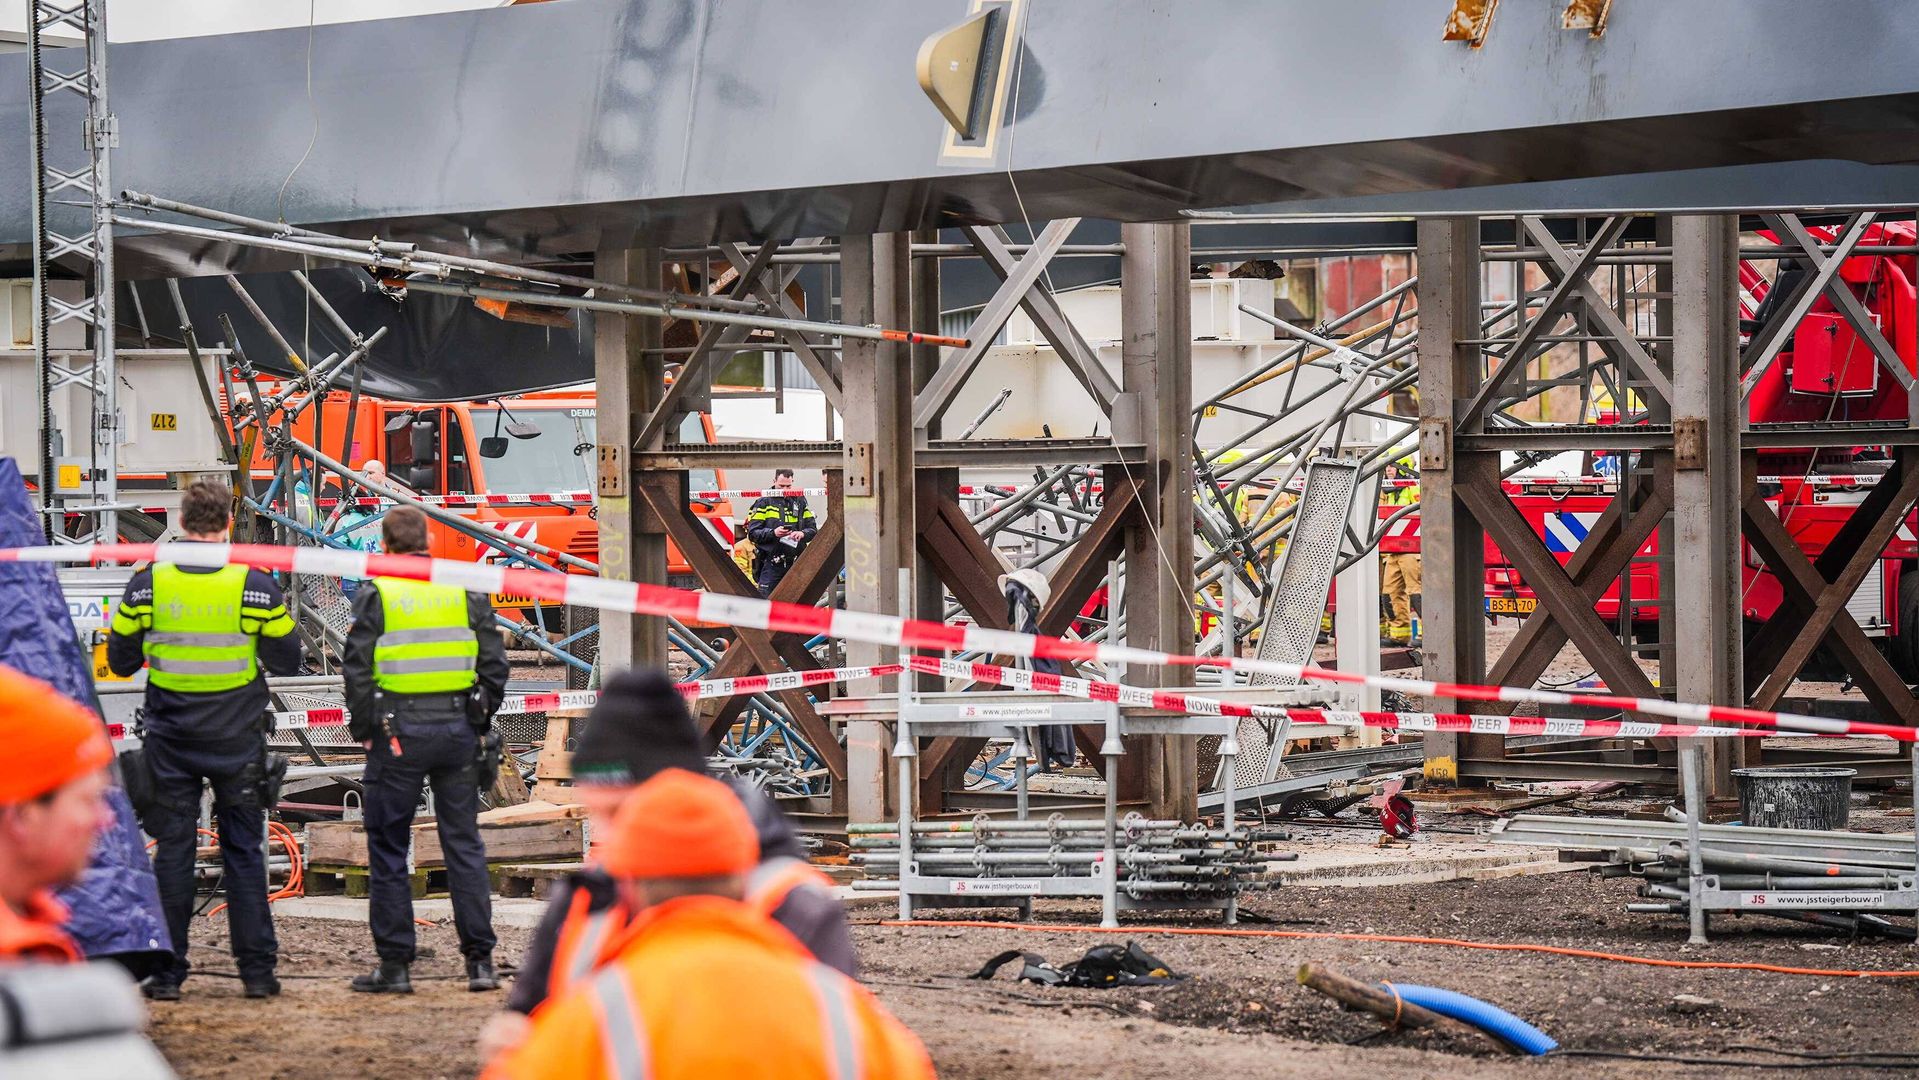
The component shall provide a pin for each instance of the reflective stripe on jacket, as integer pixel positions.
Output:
(668, 1006)
(582, 942)
(427, 645)
(768, 886)
(199, 630)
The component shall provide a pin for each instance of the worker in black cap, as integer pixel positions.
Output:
(641, 726)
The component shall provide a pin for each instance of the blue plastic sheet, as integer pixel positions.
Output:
(116, 905)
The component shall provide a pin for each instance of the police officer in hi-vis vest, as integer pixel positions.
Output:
(425, 670)
(204, 634)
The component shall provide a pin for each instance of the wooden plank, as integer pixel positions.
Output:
(532, 811)
(343, 843)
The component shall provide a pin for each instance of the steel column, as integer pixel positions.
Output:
(1452, 546)
(878, 457)
(631, 376)
(1156, 362)
(1706, 477)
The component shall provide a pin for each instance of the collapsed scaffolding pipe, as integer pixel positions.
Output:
(479, 530)
(663, 304)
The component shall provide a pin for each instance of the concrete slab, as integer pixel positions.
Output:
(1352, 863)
(521, 914)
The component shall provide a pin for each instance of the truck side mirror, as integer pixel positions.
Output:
(493, 446)
(426, 441)
(399, 439)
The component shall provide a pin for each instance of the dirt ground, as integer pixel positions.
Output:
(1241, 1011)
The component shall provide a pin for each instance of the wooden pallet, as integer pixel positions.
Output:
(552, 835)
(508, 879)
(353, 881)
(537, 880)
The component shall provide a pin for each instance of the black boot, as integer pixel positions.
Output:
(391, 977)
(159, 989)
(480, 974)
(265, 986)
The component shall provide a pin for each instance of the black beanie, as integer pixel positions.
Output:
(640, 726)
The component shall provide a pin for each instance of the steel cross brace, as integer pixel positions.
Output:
(1615, 337)
(1569, 606)
(756, 650)
(1040, 304)
(1816, 592)
(1825, 279)
(949, 542)
(692, 373)
(1570, 277)
(1606, 553)
(932, 401)
(825, 371)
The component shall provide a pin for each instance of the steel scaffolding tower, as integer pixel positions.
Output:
(75, 231)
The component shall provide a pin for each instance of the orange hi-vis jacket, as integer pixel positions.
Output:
(36, 935)
(667, 1008)
(588, 938)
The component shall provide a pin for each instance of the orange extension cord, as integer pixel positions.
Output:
(1403, 939)
(296, 874)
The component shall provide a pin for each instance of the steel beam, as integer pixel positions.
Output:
(1706, 477)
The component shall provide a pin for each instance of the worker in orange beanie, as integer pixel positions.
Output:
(52, 804)
(667, 1005)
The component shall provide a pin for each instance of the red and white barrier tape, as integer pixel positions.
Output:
(556, 700)
(1200, 705)
(560, 498)
(889, 630)
(585, 498)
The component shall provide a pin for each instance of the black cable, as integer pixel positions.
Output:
(1830, 1063)
(1826, 1053)
(504, 972)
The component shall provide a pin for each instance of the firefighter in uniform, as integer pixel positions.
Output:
(640, 727)
(1399, 570)
(666, 1005)
(204, 635)
(425, 671)
(780, 527)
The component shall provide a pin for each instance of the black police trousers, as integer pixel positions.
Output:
(437, 748)
(236, 768)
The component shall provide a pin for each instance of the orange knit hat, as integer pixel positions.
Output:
(680, 825)
(50, 739)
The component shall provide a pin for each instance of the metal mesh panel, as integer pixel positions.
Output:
(323, 737)
(1312, 553)
(1299, 600)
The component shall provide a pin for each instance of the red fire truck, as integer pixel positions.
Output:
(1824, 373)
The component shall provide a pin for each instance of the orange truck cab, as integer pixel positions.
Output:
(508, 449)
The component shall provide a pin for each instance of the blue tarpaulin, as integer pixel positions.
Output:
(116, 905)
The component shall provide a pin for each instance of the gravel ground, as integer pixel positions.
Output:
(1240, 1011)
(1243, 1007)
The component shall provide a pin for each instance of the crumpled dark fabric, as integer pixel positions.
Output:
(1055, 740)
(115, 907)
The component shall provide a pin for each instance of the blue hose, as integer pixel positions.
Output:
(1490, 1019)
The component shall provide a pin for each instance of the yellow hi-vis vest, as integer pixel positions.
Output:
(199, 631)
(428, 647)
